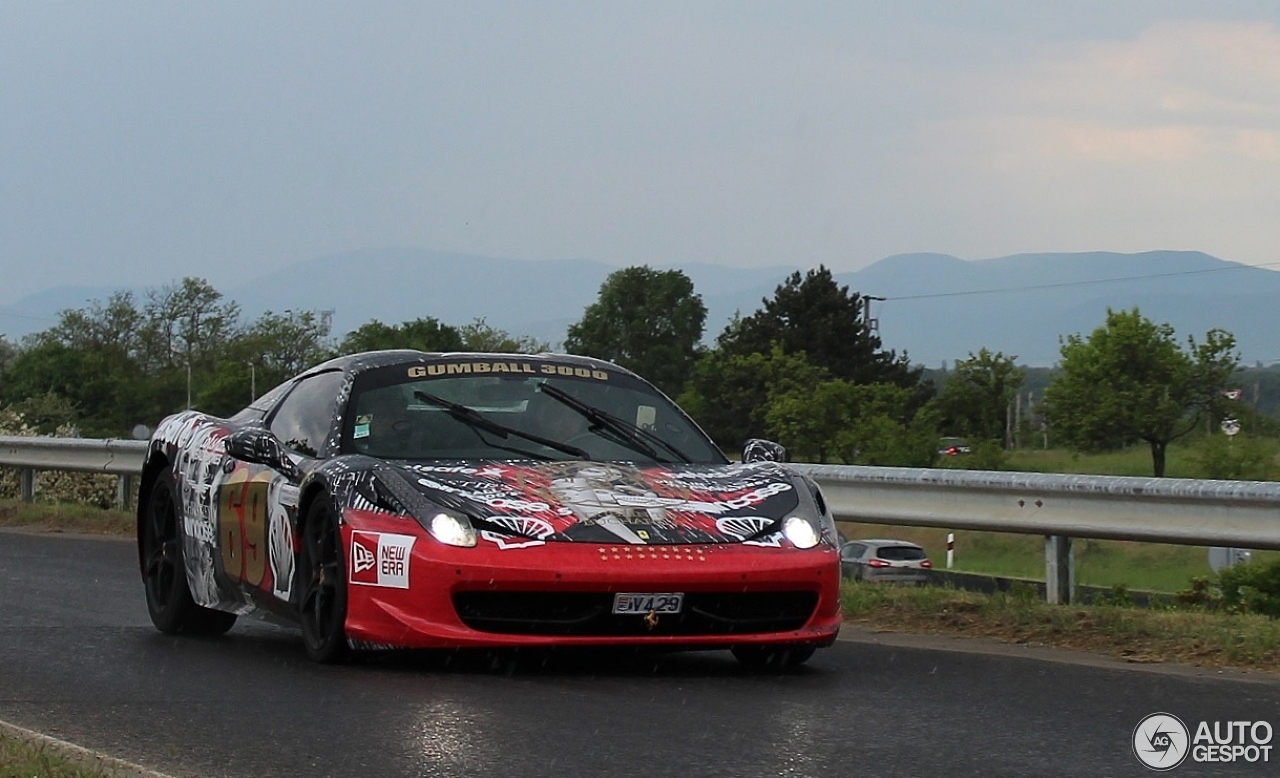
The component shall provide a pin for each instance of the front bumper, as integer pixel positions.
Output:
(561, 594)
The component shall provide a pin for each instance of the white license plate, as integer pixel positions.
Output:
(647, 602)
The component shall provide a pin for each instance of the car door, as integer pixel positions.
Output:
(257, 519)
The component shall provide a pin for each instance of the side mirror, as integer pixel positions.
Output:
(757, 450)
(259, 446)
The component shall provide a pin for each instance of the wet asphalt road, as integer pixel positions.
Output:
(79, 660)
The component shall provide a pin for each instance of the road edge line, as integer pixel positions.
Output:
(82, 757)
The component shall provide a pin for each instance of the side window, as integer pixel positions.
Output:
(853, 550)
(305, 417)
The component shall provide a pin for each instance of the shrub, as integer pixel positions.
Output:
(1239, 458)
(987, 455)
(1118, 596)
(1201, 593)
(53, 485)
(1252, 588)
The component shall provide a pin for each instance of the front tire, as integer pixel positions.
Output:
(323, 607)
(772, 659)
(164, 573)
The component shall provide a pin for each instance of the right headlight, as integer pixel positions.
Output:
(801, 532)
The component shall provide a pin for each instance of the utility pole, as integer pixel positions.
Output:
(1254, 415)
(872, 324)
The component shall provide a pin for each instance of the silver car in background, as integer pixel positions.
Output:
(888, 561)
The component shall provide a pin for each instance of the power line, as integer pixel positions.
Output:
(1064, 284)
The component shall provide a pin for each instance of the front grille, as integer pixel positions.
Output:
(591, 613)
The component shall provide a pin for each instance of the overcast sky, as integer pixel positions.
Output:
(141, 142)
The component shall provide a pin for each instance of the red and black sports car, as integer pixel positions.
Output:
(400, 499)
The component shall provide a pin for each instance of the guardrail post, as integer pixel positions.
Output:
(124, 491)
(1059, 570)
(28, 484)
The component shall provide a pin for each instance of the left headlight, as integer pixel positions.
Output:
(393, 493)
(451, 529)
(801, 532)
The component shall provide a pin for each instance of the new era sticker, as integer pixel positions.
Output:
(380, 559)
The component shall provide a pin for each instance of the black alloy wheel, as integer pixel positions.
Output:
(164, 575)
(323, 605)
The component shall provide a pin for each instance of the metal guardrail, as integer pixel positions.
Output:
(117, 457)
(1244, 514)
(122, 458)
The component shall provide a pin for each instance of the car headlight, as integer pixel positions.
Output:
(393, 493)
(800, 532)
(452, 529)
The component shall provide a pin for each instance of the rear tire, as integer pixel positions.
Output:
(323, 605)
(164, 571)
(772, 659)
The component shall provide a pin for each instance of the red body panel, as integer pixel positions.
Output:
(423, 615)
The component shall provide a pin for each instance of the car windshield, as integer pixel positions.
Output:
(900, 553)
(532, 410)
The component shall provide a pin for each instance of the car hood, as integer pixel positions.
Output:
(595, 502)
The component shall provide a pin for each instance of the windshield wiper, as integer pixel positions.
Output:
(474, 419)
(632, 436)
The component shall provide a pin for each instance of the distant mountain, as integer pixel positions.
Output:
(941, 308)
(524, 297)
(937, 308)
(39, 311)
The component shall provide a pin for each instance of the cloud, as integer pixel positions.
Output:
(1178, 91)
(1168, 138)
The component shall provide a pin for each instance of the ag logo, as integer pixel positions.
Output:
(1160, 741)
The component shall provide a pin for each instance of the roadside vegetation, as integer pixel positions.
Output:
(66, 517)
(1109, 563)
(1191, 634)
(24, 759)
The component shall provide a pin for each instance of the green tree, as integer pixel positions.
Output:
(814, 315)
(422, 334)
(1241, 457)
(976, 396)
(1131, 381)
(728, 394)
(865, 424)
(187, 324)
(183, 340)
(8, 350)
(105, 394)
(649, 321)
(46, 414)
(90, 359)
(274, 348)
(479, 335)
(815, 323)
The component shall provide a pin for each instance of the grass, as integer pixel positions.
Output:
(1147, 566)
(66, 517)
(24, 759)
(1180, 462)
(1190, 636)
